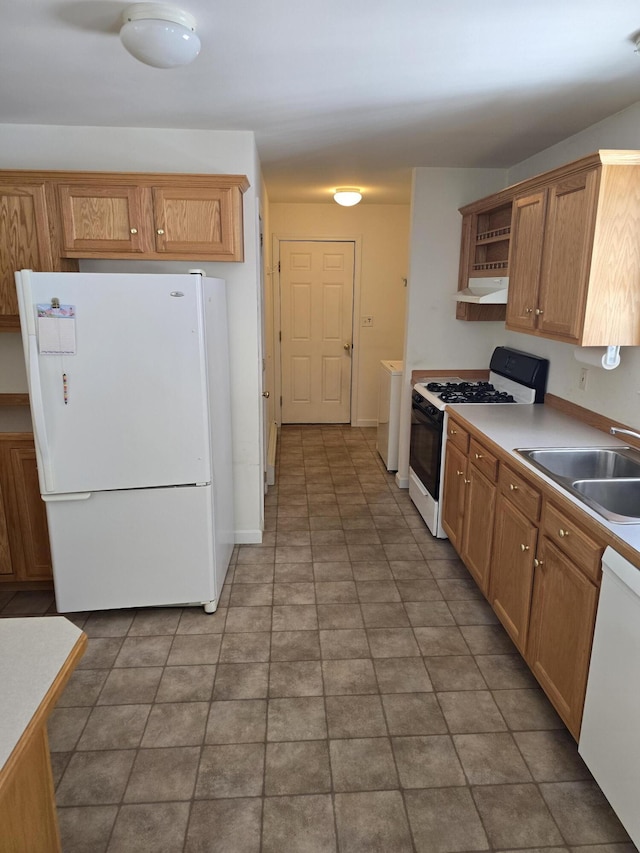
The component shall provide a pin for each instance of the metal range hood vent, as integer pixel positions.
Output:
(485, 291)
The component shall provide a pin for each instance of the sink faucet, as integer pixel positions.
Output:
(616, 430)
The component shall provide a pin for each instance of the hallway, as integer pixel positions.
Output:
(353, 693)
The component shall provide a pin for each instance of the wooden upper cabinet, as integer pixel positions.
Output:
(153, 216)
(99, 218)
(568, 238)
(24, 242)
(198, 221)
(525, 260)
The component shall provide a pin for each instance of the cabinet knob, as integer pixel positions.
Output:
(459, 473)
(524, 547)
(512, 487)
(160, 231)
(266, 394)
(479, 456)
(453, 432)
(466, 482)
(538, 563)
(539, 311)
(134, 230)
(562, 533)
(528, 310)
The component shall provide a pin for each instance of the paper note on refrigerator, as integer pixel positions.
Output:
(56, 330)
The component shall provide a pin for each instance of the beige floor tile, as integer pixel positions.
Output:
(86, 828)
(413, 714)
(402, 675)
(362, 764)
(230, 770)
(348, 677)
(297, 718)
(237, 721)
(515, 816)
(491, 759)
(149, 827)
(445, 820)
(163, 775)
(582, 813)
(427, 762)
(219, 826)
(372, 822)
(302, 824)
(297, 767)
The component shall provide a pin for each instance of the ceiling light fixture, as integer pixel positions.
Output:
(159, 34)
(347, 196)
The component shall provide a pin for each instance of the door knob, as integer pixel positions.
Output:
(347, 347)
(266, 394)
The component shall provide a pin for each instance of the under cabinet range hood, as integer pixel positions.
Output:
(486, 291)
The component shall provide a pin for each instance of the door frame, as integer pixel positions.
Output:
(355, 349)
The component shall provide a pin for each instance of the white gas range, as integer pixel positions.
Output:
(514, 377)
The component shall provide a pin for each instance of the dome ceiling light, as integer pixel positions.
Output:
(347, 196)
(159, 34)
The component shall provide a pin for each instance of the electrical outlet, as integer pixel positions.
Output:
(582, 382)
(367, 320)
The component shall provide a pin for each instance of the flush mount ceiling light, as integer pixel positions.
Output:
(159, 35)
(347, 196)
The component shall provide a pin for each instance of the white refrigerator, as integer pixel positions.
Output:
(129, 388)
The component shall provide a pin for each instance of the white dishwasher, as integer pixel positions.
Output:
(389, 392)
(610, 734)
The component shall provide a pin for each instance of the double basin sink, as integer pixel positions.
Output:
(605, 478)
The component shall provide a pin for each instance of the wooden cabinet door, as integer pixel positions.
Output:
(24, 242)
(453, 494)
(98, 218)
(511, 578)
(563, 615)
(525, 261)
(477, 526)
(566, 259)
(30, 519)
(6, 563)
(198, 221)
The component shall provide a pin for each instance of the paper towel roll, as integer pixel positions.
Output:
(605, 357)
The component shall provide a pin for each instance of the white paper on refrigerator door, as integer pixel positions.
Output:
(56, 329)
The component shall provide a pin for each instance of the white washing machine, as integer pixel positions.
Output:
(389, 412)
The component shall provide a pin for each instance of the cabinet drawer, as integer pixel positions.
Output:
(585, 552)
(457, 435)
(520, 493)
(483, 460)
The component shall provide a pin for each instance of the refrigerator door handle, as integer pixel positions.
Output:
(37, 411)
(69, 496)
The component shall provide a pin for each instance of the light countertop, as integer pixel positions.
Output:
(32, 653)
(543, 426)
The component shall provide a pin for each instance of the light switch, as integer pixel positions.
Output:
(367, 320)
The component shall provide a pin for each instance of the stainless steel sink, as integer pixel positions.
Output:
(589, 463)
(618, 500)
(605, 478)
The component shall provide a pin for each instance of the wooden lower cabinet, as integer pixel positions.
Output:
(563, 612)
(455, 475)
(511, 581)
(477, 527)
(24, 536)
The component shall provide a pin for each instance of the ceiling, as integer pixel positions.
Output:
(342, 92)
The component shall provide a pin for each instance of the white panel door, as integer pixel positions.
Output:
(129, 409)
(316, 305)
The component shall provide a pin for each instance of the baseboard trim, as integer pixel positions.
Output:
(248, 537)
(365, 422)
(271, 454)
(402, 482)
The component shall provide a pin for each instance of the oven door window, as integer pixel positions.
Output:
(425, 450)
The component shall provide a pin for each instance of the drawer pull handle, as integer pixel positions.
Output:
(538, 563)
(134, 230)
(513, 488)
(562, 533)
(524, 547)
(479, 456)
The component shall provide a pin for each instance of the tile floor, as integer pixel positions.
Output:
(353, 693)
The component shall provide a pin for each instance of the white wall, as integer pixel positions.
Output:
(434, 338)
(615, 393)
(159, 150)
(382, 232)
